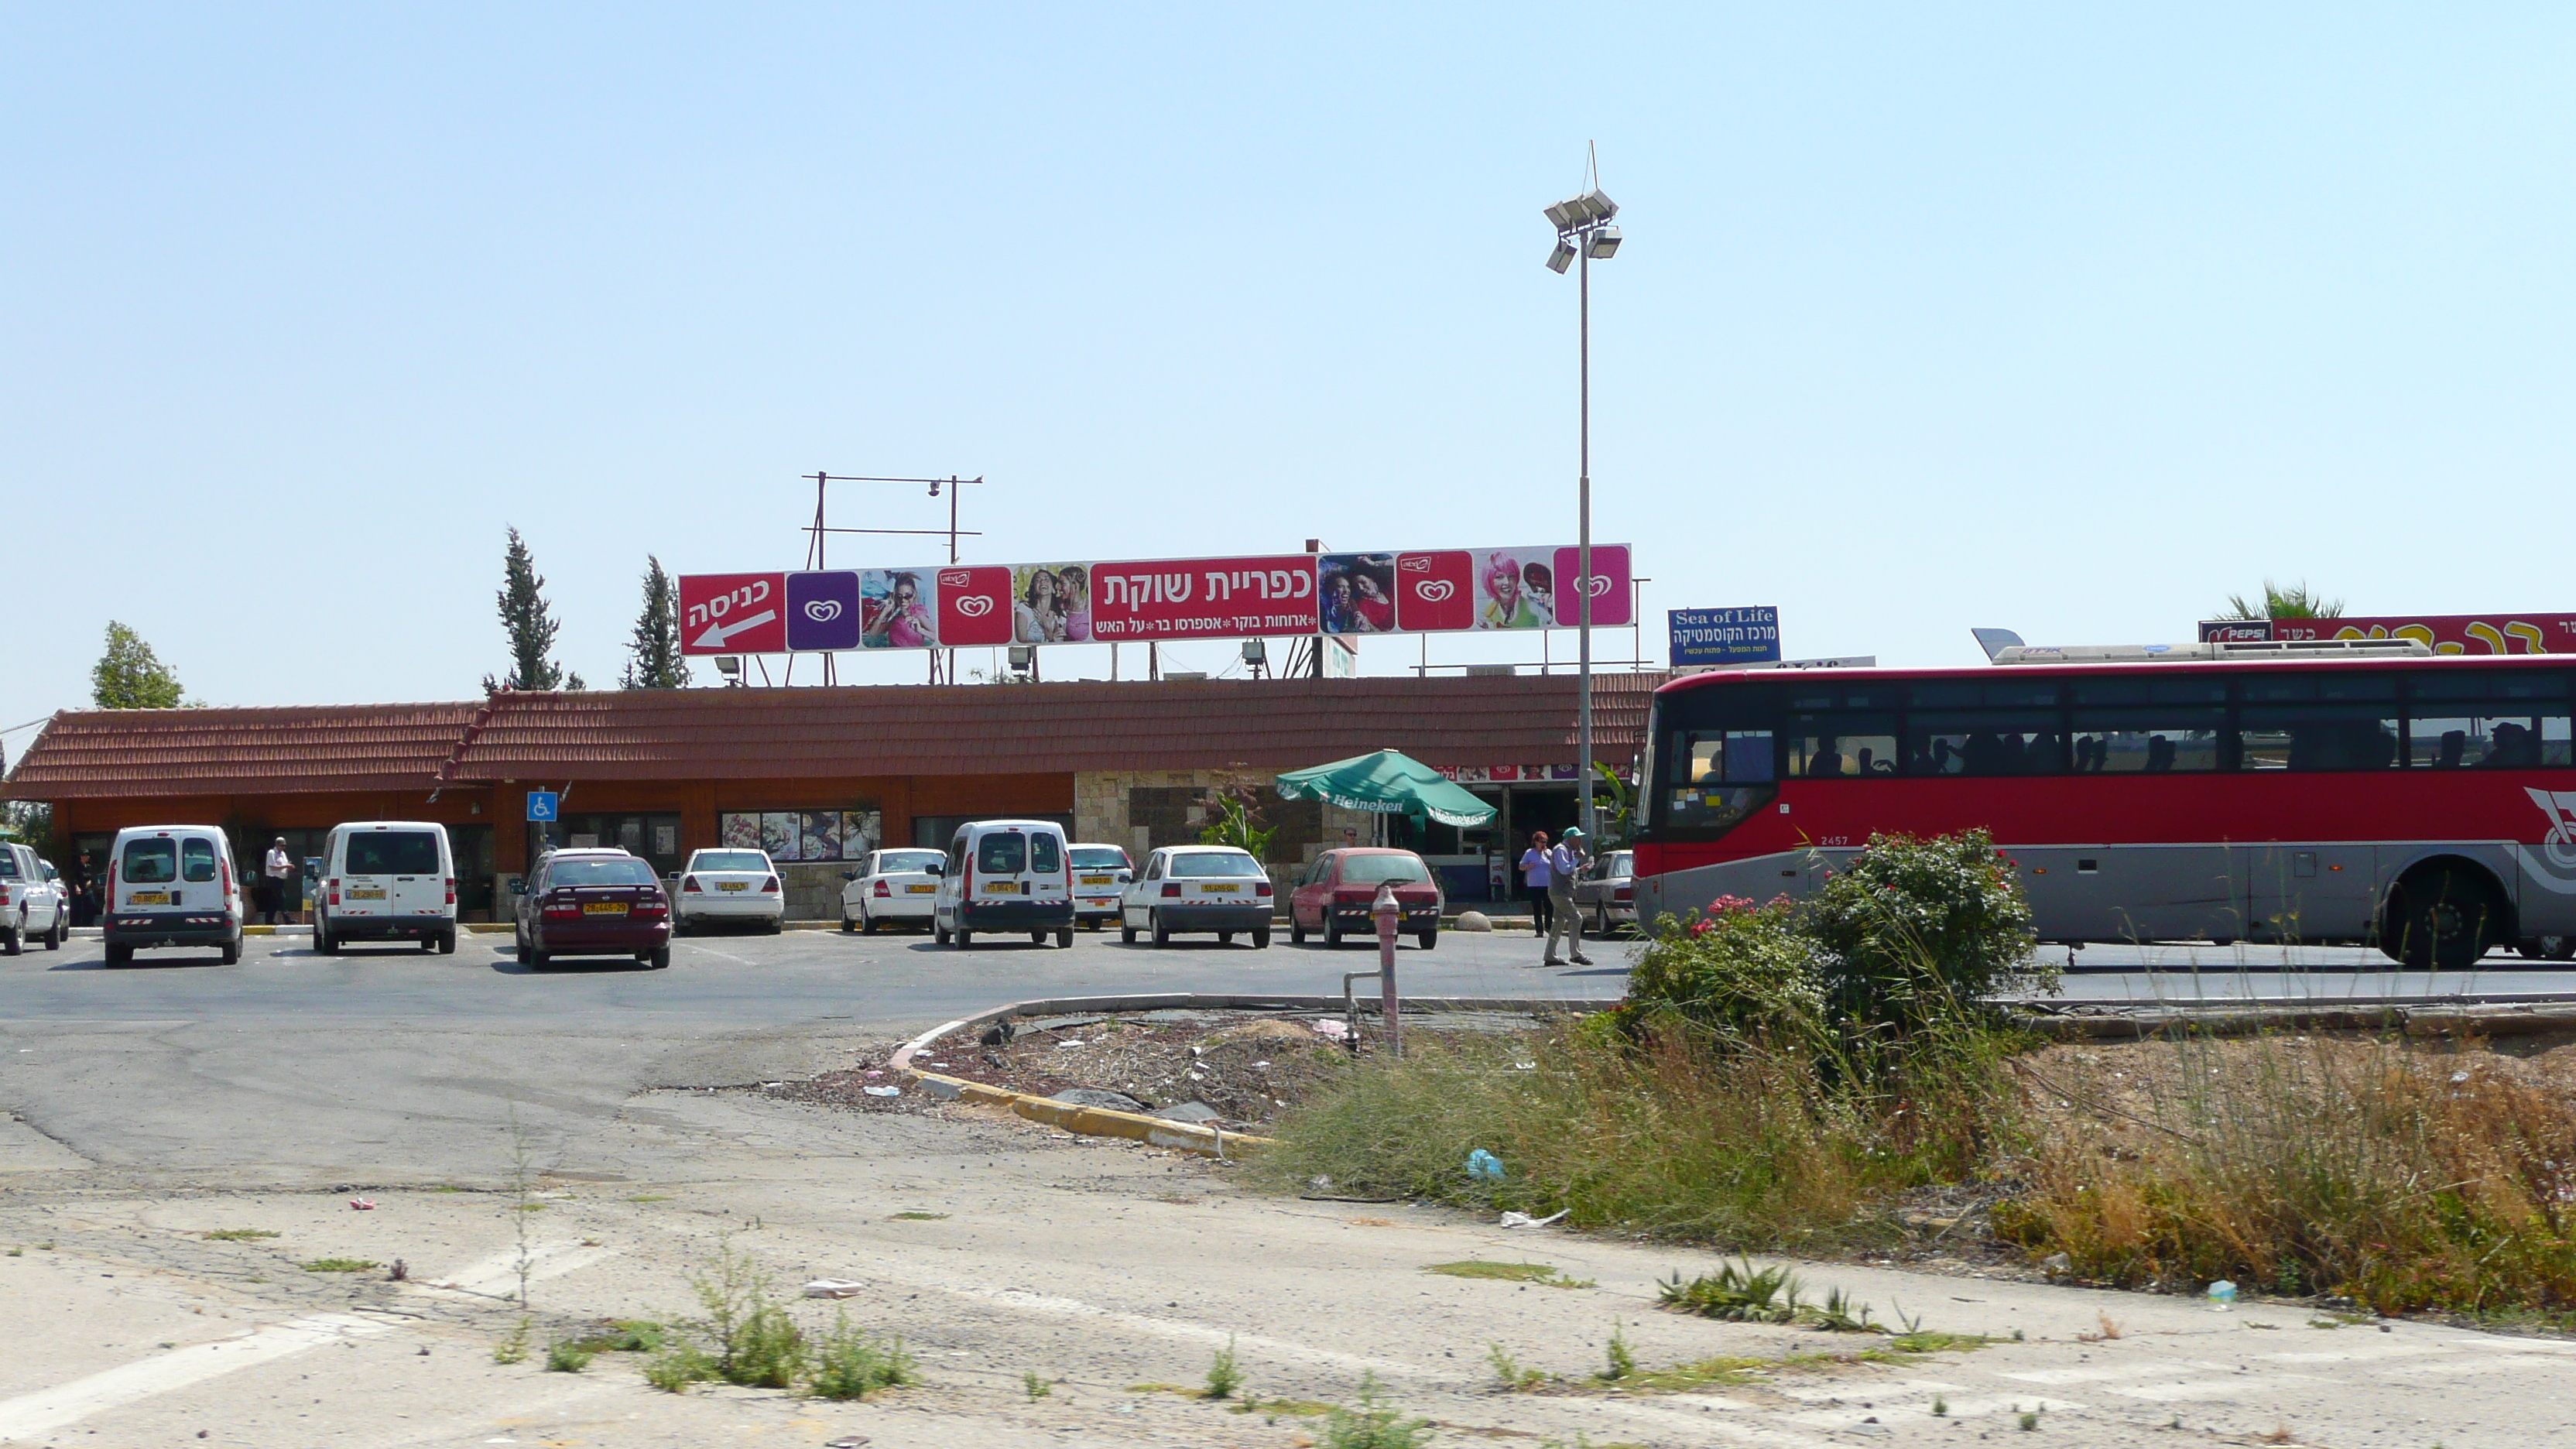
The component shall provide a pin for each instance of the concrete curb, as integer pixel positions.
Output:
(1135, 1126)
(2448, 1019)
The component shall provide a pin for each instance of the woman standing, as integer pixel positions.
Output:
(1537, 869)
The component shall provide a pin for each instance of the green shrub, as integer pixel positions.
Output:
(1744, 971)
(851, 1364)
(753, 1341)
(677, 1364)
(1373, 1425)
(566, 1358)
(1914, 930)
(1744, 1294)
(1224, 1374)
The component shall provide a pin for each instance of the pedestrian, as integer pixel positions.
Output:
(1534, 872)
(1563, 864)
(273, 872)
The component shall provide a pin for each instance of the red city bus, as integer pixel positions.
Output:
(2423, 805)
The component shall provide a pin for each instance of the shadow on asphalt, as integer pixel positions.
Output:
(141, 963)
(506, 964)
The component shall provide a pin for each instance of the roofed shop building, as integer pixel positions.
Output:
(818, 777)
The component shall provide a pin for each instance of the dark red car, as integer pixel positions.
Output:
(1334, 895)
(594, 903)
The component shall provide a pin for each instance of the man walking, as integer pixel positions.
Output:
(1563, 863)
(274, 870)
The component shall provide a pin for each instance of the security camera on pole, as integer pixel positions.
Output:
(1584, 232)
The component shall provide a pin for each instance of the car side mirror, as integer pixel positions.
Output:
(849, 875)
(937, 867)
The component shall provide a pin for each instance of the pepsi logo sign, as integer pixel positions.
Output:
(1433, 591)
(975, 606)
(822, 611)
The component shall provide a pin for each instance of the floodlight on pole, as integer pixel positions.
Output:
(1584, 234)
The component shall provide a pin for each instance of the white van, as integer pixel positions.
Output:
(1005, 875)
(386, 880)
(171, 885)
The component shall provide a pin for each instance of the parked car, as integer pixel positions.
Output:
(1004, 875)
(1333, 896)
(33, 903)
(1100, 873)
(890, 886)
(1606, 892)
(386, 880)
(1198, 888)
(171, 885)
(729, 885)
(594, 902)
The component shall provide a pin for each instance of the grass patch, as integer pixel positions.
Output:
(513, 1349)
(341, 1265)
(1540, 1273)
(1299, 1408)
(852, 1364)
(918, 1217)
(1373, 1425)
(651, 1197)
(2405, 1179)
(567, 1358)
(235, 1235)
(1160, 1389)
(625, 1335)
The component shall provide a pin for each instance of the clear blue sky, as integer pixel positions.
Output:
(2050, 317)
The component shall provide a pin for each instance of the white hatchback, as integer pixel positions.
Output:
(729, 885)
(890, 886)
(1215, 889)
(1100, 872)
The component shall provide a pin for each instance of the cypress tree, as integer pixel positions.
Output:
(530, 624)
(657, 662)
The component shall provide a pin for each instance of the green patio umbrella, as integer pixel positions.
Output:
(1387, 783)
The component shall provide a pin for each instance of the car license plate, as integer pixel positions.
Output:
(148, 898)
(733, 885)
(1002, 888)
(604, 908)
(1226, 889)
(919, 890)
(1095, 880)
(366, 893)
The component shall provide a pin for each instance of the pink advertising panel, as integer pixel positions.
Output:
(1204, 598)
(975, 605)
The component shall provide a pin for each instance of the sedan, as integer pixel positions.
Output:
(890, 886)
(1213, 888)
(1335, 895)
(738, 886)
(1606, 892)
(594, 903)
(1100, 872)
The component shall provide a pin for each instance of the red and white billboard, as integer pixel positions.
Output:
(2544, 633)
(1203, 598)
(975, 605)
(733, 613)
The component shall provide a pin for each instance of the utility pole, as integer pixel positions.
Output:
(955, 485)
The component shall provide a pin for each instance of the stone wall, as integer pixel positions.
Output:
(1144, 810)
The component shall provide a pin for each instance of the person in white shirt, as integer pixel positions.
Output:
(273, 872)
(1534, 869)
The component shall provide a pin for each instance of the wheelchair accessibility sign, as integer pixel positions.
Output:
(541, 804)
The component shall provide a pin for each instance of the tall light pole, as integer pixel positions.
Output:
(1583, 232)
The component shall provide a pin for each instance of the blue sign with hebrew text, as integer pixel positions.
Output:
(1724, 636)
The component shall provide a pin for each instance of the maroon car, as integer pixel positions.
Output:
(1334, 895)
(594, 903)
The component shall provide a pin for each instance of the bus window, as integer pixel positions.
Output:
(2319, 737)
(2482, 741)
(1841, 745)
(1726, 757)
(1941, 742)
(2148, 741)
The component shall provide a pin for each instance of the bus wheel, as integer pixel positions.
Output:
(2442, 920)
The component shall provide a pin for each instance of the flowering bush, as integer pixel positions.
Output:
(1740, 967)
(1913, 928)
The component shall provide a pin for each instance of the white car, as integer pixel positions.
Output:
(171, 885)
(386, 880)
(889, 887)
(1100, 872)
(33, 905)
(1198, 888)
(729, 885)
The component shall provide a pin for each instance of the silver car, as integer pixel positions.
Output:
(1606, 892)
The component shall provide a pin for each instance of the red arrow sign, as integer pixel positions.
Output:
(733, 613)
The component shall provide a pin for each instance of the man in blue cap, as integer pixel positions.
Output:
(1568, 857)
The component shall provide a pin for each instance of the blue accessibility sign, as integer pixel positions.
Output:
(541, 804)
(1725, 636)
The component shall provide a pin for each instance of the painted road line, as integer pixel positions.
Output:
(497, 1276)
(2235, 1386)
(50, 1409)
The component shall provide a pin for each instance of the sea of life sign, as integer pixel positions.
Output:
(961, 606)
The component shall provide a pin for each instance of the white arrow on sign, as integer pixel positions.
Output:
(716, 635)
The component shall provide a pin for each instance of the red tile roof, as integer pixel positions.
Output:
(92, 754)
(712, 734)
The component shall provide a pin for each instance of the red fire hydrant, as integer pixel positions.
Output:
(1386, 913)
